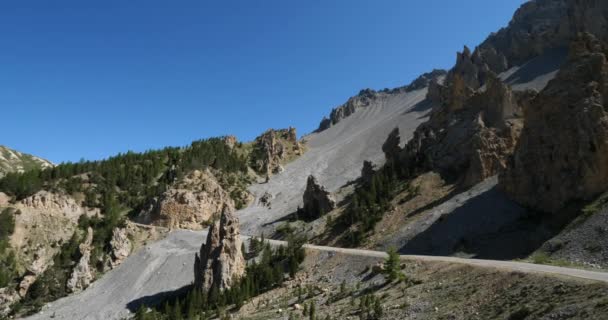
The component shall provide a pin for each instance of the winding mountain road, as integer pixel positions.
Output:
(498, 264)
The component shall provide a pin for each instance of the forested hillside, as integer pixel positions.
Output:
(131, 177)
(116, 188)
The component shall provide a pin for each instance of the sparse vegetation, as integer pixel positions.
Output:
(368, 204)
(8, 264)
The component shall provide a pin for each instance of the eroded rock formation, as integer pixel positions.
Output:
(230, 141)
(189, 203)
(82, 274)
(317, 200)
(120, 246)
(273, 148)
(563, 151)
(221, 260)
(44, 222)
(470, 135)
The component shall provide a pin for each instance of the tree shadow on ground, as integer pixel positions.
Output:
(156, 299)
(489, 226)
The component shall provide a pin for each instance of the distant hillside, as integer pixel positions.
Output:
(11, 161)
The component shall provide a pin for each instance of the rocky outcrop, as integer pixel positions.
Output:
(273, 148)
(82, 274)
(120, 246)
(317, 200)
(221, 262)
(189, 203)
(424, 80)
(361, 100)
(44, 221)
(56, 203)
(563, 151)
(470, 139)
(541, 25)
(230, 141)
(476, 120)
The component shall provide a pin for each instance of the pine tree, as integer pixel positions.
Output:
(392, 265)
(177, 310)
(312, 311)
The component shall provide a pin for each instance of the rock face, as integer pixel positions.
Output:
(476, 120)
(82, 274)
(470, 134)
(563, 150)
(230, 141)
(45, 221)
(121, 246)
(273, 148)
(191, 202)
(221, 260)
(541, 25)
(49, 201)
(317, 200)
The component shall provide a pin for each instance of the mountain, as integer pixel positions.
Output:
(15, 161)
(495, 168)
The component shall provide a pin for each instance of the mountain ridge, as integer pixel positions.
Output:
(15, 161)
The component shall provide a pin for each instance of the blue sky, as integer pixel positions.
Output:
(89, 79)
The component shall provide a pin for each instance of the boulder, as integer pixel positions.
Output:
(562, 154)
(317, 200)
(221, 262)
(82, 274)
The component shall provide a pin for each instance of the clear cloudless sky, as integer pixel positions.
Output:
(90, 79)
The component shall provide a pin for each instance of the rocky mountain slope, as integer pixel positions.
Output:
(15, 161)
(498, 158)
(562, 153)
